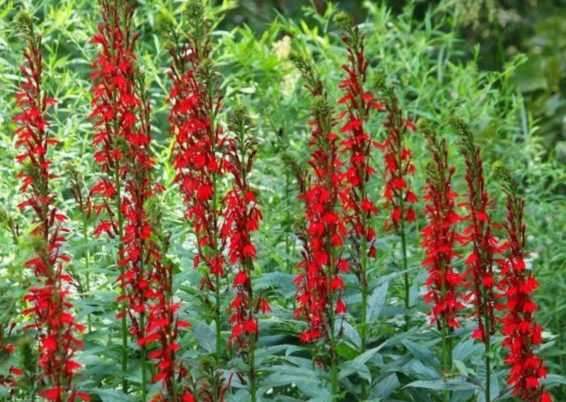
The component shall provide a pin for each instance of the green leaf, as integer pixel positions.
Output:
(205, 335)
(554, 379)
(368, 354)
(453, 384)
(422, 353)
(109, 395)
(385, 387)
(465, 348)
(350, 333)
(354, 367)
(376, 301)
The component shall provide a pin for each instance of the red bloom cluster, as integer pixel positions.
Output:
(398, 165)
(522, 332)
(124, 132)
(7, 349)
(199, 142)
(440, 236)
(357, 142)
(114, 107)
(241, 219)
(50, 307)
(320, 284)
(479, 275)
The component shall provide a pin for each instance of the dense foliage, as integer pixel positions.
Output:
(323, 210)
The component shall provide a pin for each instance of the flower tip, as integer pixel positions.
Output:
(343, 20)
(24, 22)
(501, 173)
(195, 10)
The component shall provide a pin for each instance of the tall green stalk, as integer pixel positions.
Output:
(124, 323)
(406, 278)
(143, 362)
(487, 353)
(253, 375)
(87, 265)
(446, 354)
(364, 289)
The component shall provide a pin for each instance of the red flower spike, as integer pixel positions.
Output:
(199, 142)
(200, 157)
(480, 262)
(325, 222)
(357, 145)
(521, 331)
(49, 297)
(439, 237)
(121, 117)
(241, 219)
(398, 165)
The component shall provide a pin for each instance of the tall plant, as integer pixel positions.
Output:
(49, 303)
(320, 284)
(479, 236)
(439, 239)
(199, 159)
(114, 113)
(241, 219)
(358, 143)
(522, 333)
(399, 198)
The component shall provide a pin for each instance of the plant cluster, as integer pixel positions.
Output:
(357, 186)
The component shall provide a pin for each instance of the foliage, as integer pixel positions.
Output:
(434, 74)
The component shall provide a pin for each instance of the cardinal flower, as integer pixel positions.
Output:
(49, 297)
(521, 331)
(325, 223)
(479, 275)
(440, 235)
(241, 219)
(127, 189)
(399, 197)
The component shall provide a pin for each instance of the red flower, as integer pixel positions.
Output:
(55, 337)
(325, 222)
(357, 144)
(340, 307)
(241, 219)
(122, 118)
(521, 331)
(479, 234)
(398, 166)
(439, 237)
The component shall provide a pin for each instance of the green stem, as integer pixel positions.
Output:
(364, 288)
(405, 266)
(253, 380)
(143, 358)
(87, 266)
(124, 323)
(287, 220)
(487, 343)
(333, 366)
(217, 318)
(446, 355)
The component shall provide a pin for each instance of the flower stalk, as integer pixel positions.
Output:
(521, 331)
(439, 238)
(320, 284)
(399, 197)
(241, 219)
(479, 273)
(49, 303)
(199, 157)
(357, 144)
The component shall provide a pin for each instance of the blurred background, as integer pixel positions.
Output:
(505, 28)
